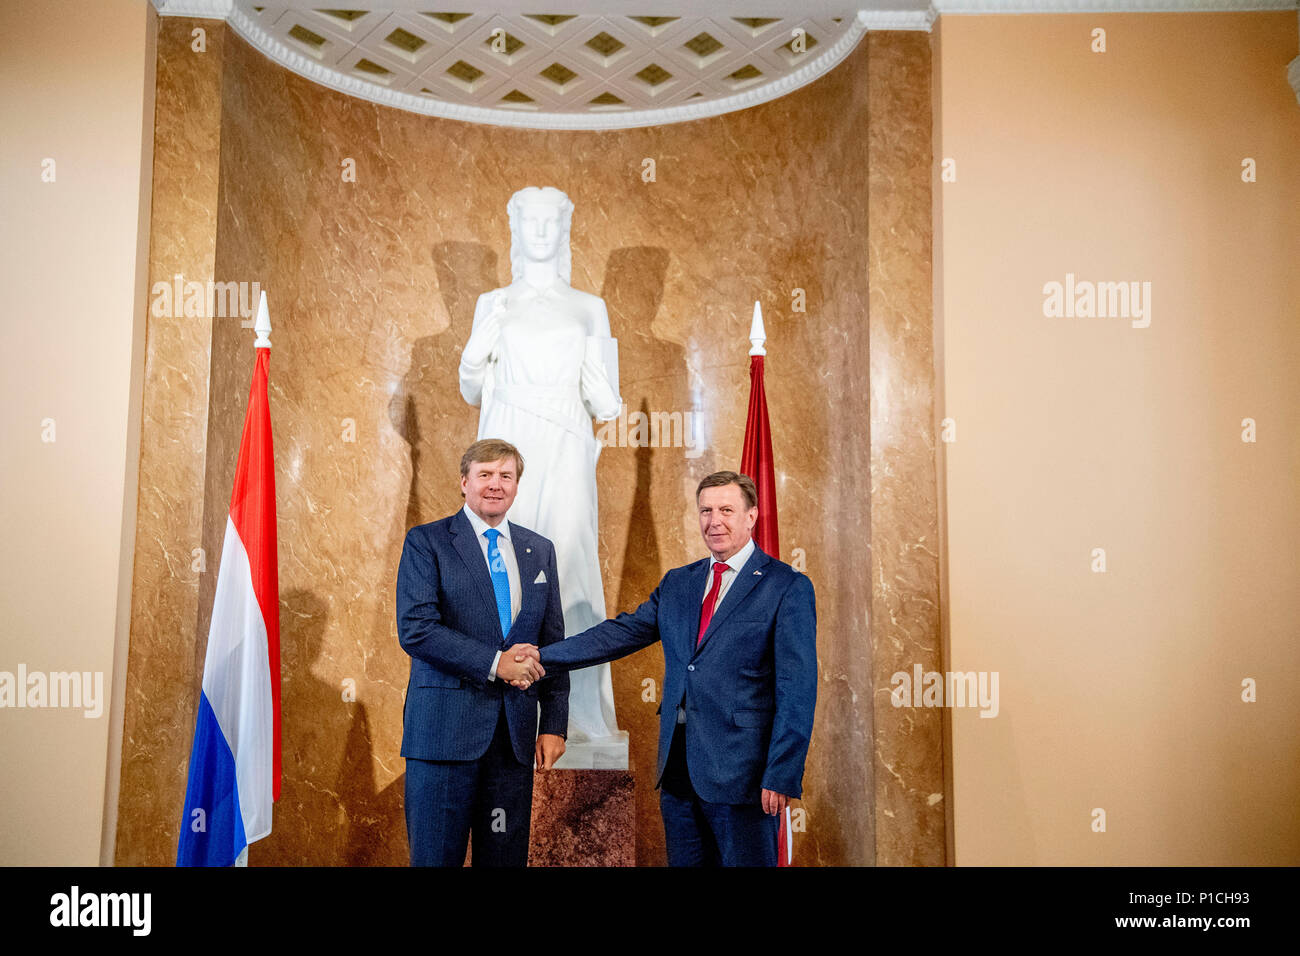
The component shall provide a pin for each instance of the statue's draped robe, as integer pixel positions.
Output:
(540, 392)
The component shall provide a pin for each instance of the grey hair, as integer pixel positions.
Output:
(515, 208)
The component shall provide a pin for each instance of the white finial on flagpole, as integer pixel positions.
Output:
(757, 334)
(263, 325)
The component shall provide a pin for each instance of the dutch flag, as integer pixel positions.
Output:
(234, 774)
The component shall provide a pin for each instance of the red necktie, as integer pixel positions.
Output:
(710, 601)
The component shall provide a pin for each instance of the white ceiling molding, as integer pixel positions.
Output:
(942, 7)
(206, 9)
(594, 70)
(898, 19)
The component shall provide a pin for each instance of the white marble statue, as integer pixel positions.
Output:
(540, 364)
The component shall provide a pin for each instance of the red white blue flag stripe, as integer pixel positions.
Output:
(234, 774)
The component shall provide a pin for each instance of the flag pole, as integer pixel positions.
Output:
(263, 324)
(756, 461)
(756, 453)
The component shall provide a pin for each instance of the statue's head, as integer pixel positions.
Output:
(539, 229)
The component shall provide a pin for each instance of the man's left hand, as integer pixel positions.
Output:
(774, 802)
(550, 747)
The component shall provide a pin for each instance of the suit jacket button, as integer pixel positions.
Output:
(690, 667)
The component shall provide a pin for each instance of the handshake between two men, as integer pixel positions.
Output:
(739, 637)
(520, 666)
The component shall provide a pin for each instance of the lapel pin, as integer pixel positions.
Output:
(528, 550)
(758, 573)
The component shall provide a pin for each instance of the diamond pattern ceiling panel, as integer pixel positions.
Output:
(548, 65)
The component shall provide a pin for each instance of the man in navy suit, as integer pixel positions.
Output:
(473, 592)
(739, 635)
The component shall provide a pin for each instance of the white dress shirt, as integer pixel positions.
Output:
(512, 566)
(734, 564)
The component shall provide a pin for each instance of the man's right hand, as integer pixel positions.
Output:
(521, 665)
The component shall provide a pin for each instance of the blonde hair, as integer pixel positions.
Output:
(491, 449)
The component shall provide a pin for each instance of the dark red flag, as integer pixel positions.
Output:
(756, 462)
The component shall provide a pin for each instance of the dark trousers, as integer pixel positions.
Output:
(492, 796)
(699, 833)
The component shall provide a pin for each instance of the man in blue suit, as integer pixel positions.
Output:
(739, 635)
(474, 591)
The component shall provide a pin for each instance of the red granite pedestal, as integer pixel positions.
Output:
(583, 818)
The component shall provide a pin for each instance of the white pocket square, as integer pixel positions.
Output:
(541, 578)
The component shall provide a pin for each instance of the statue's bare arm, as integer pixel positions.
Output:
(600, 366)
(478, 350)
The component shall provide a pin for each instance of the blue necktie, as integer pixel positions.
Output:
(500, 580)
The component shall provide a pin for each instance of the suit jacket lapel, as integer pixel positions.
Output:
(698, 583)
(471, 553)
(746, 578)
(529, 563)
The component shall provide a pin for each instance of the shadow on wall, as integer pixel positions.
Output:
(428, 394)
(653, 377)
(430, 390)
(349, 822)
(334, 811)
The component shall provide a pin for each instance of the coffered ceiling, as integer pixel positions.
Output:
(537, 63)
(591, 65)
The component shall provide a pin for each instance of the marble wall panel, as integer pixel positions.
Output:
(165, 659)
(908, 804)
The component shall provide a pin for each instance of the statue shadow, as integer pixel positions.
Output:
(646, 467)
(429, 398)
(642, 478)
(329, 810)
(427, 412)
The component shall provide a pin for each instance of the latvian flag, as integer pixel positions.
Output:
(757, 462)
(235, 762)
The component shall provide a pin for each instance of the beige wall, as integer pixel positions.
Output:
(72, 257)
(1122, 690)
